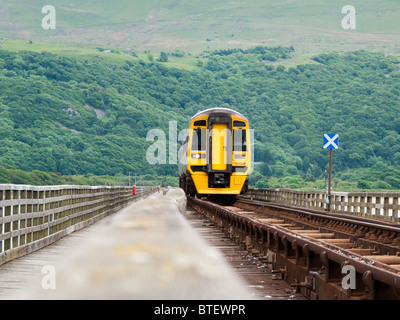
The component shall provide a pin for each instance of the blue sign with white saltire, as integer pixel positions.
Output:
(331, 141)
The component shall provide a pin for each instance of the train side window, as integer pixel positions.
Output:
(239, 140)
(199, 139)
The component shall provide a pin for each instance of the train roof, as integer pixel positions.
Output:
(219, 111)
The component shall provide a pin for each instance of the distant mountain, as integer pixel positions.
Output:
(194, 26)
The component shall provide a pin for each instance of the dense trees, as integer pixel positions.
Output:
(91, 116)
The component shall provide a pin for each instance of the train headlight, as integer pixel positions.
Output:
(198, 156)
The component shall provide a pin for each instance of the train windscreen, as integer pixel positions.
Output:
(199, 139)
(239, 140)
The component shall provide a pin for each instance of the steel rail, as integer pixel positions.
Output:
(384, 225)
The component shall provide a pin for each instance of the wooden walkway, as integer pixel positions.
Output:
(160, 257)
(23, 274)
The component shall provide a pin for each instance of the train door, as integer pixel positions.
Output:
(219, 132)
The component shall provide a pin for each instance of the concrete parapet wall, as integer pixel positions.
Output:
(379, 205)
(32, 217)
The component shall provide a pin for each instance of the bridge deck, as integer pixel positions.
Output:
(146, 251)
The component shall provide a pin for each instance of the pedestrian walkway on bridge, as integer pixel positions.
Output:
(146, 251)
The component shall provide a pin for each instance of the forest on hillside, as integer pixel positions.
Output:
(78, 116)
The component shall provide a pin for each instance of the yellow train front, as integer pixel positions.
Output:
(217, 154)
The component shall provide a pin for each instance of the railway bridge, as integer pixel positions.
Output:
(81, 242)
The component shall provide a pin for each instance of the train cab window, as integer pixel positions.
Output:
(200, 123)
(237, 123)
(239, 140)
(199, 139)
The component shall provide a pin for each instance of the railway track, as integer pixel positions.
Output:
(325, 256)
(261, 282)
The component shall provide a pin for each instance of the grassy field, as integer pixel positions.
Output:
(187, 62)
(311, 26)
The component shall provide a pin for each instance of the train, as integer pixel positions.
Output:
(217, 153)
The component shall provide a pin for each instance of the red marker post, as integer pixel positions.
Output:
(134, 190)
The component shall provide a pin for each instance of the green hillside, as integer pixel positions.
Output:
(194, 26)
(90, 114)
